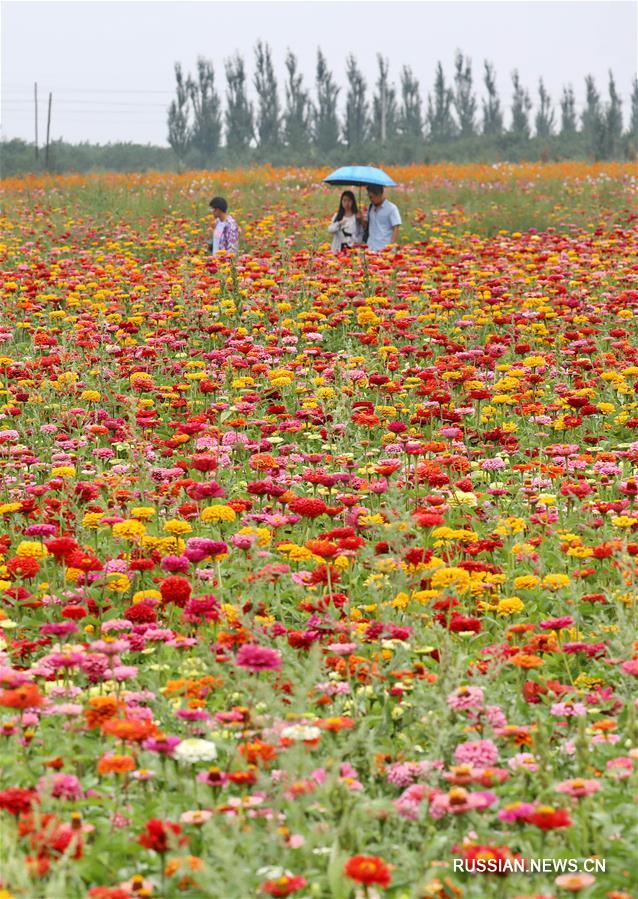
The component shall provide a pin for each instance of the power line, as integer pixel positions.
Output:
(93, 103)
(94, 90)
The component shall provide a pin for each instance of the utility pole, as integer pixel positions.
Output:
(35, 96)
(46, 153)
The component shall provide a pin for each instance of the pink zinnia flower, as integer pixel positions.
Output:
(620, 768)
(408, 805)
(459, 800)
(465, 698)
(495, 464)
(557, 624)
(402, 774)
(481, 753)
(495, 716)
(61, 786)
(577, 787)
(341, 649)
(517, 811)
(258, 658)
(569, 709)
(524, 760)
(243, 541)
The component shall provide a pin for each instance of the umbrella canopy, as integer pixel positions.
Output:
(360, 175)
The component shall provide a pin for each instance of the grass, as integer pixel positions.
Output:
(445, 198)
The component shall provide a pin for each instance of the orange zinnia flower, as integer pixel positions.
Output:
(526, 661)
(27, 696)
(129, 729)
(100, 709)
(335, 724)
(256, 751)
(110, 763)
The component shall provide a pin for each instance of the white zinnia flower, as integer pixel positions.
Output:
(301, 732)
(195, 750)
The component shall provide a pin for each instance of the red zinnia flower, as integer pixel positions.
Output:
(141, 613)
(17, 801)
(74, 612)
(548, 818)
(55, 838)
(498, 855)
(60, 547)
(23, 566)
(108, 893)
(82, 560)
(368, 869)
(204, 462)
(176, 590)
(158, 835)
(283, 886)
(307, 507)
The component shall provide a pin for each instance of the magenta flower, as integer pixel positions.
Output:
(517, 811)
(254, 658)
(557, 624)
(61, 786)
(175, 564)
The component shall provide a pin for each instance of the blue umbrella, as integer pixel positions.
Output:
(361, 175)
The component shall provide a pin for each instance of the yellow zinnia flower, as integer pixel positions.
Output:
(555, 581)
(32, 549)
(526, 582)
(218, 513)
(129, 529)
(177, 526)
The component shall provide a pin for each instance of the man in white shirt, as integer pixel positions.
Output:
(383, 220)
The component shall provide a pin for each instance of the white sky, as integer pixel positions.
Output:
(110, 64)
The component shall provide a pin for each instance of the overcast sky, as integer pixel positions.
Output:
(109, 65)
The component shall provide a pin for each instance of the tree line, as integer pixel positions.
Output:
(385, 121)
(222, 126)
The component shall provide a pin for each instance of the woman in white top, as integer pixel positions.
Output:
(345, 229)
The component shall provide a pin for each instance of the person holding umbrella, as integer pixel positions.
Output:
(382, 220)
(346, 228)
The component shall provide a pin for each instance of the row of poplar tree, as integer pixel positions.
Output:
(393, 125)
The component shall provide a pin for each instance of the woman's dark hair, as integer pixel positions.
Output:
(342, 211)
(219, 203)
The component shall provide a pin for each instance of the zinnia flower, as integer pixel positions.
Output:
(255, 658)
(369, 870)
(194, 750)
(285, 885)
(159, 835)
(546, 817)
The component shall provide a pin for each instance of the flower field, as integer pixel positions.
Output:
(319, 574)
